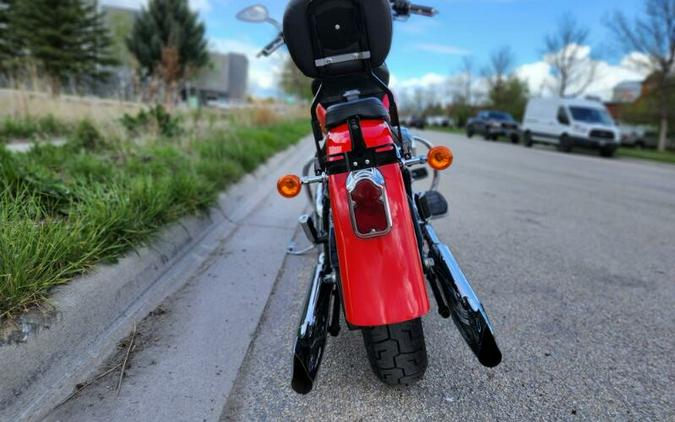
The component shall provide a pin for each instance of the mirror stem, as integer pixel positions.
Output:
(275, 23)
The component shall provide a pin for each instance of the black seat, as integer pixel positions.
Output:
(365, 108)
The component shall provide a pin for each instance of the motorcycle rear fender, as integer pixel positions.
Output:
(382, 280)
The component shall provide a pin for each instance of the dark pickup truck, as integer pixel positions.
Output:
(492, 125)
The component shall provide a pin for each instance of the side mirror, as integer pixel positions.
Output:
(258, 14)
(254, 14)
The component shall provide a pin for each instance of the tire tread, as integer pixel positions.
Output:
(397, 353)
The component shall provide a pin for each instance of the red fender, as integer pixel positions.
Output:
(382, 279)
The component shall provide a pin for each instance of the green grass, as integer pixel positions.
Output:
(31, 128)
(446, 129)
(648, 154)
(66, 209)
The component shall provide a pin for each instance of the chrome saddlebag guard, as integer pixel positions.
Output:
(465, 308)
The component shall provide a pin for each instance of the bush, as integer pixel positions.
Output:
(87, 136)
(155, 120)
(33, 127)
(18, 129)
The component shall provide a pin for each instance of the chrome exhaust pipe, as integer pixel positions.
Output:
(312, 333)
(465, 308)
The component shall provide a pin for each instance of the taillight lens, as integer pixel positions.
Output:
(368, 201)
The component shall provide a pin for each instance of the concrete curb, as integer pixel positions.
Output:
(49, 354)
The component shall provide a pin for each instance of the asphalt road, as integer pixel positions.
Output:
(574, 259)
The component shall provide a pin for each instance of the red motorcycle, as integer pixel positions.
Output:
(377, 243)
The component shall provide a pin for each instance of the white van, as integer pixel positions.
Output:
(569, 122)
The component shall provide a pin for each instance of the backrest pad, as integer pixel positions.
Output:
(337, 37)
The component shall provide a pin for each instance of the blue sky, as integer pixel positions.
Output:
(426, 50)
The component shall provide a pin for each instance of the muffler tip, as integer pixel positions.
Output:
(490, 355)
(302, 382)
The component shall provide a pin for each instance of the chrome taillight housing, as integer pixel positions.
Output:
(368, 204)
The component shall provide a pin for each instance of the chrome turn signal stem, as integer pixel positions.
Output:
(308, 180)
(415, 161)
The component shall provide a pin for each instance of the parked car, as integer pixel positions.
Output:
(635, 136)
(440, 121)
(415, 121)
(570, 122)
(652, 138)
(492, 125)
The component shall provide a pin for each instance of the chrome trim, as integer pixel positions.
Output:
(308, 180)
(415, 161)
(318, 206)
(342, 58)
(437, 174)
(305, 173)
(309, 318)
(374, 176)
(315, 198)
(463, 287)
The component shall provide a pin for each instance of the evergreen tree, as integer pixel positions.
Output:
(168, 41)
(96, 43)
(64, 38)
(8, 47)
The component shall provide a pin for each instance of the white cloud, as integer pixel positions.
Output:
(418, 92)
(425, 81)
(131, 4)
(199, 5)
(637, 62)
(538, 75)
(441, 49)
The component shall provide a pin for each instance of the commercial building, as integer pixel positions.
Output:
(224, 80)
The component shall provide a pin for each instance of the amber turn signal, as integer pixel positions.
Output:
(289, 186)
(440, 158)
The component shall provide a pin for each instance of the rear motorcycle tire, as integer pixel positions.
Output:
(397, 353)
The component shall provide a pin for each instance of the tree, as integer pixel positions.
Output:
(467, 79)
(7, 41)
(63, 38)
(653, 36)
(497, 72)
(461, 84)
(121, 25)
(294, 82)
(96, 53)
(566, 51)
(168, 41)
(506, 92)
(511, 97)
